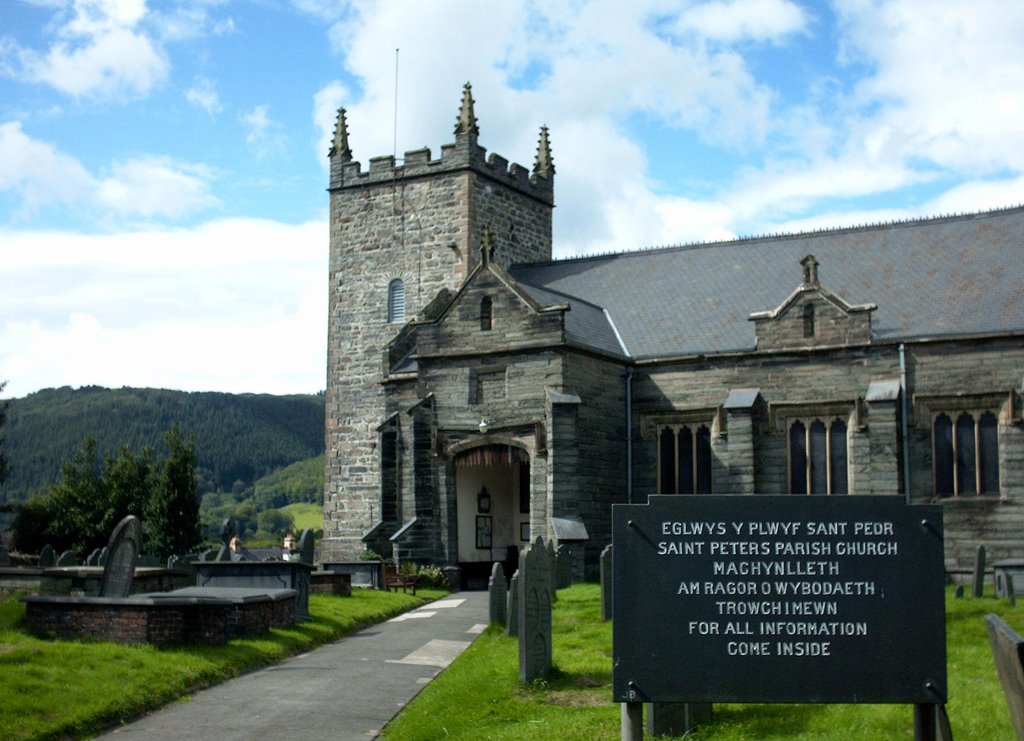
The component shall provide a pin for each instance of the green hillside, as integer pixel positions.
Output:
(238, 437)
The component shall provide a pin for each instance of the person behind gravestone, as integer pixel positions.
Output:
(235, 546)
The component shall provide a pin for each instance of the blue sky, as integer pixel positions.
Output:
(163, 164)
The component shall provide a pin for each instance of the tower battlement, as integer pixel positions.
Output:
(417, 163)
(463, 154)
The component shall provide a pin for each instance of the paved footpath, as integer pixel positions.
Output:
(344, 690)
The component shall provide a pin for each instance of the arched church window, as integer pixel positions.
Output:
(486, 309)
(396, 301)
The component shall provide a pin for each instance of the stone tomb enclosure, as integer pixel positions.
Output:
(193, 614)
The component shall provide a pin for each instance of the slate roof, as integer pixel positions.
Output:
(943, 277)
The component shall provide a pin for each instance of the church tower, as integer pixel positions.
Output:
(400, 234)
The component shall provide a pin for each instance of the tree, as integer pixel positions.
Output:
(3, 418)
(275, 522)
(173, 511)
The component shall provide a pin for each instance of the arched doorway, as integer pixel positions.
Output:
(492, 486)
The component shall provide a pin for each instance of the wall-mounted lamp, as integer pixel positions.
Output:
(483, 501)
(483, 425)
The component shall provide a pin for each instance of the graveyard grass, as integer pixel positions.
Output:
(574, 702)
(71, 689)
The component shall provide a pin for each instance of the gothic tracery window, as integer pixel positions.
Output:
(966, 454)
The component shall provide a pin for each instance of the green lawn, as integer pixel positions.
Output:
(575, 701)
(70, 689)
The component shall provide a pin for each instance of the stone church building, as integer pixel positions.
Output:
(480, 394)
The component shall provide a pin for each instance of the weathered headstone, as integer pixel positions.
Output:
(979, 572)
(104, 552)
(606, 583)
(67, 558)
(123, 553)
(552, 568)
(1008, 652)
(497, 590)
(93, 558)
(535, 588)
(224, 554)
(306, 547)
(512, 627)
(46, 557)
(563, 567)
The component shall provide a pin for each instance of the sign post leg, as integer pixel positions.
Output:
(632, 721)
(924, 722)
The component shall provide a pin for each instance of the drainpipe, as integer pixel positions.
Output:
(904, 426)
(629, 434)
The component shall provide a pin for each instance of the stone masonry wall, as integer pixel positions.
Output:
(959, 375)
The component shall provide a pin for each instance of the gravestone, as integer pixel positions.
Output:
(606, 583)
(563, 567)
(224, 554)
(46, 557)
(549, 548)
(512, 627)
(67, 558)
(123, 553)
(5, 560)
(306, 547)
(535, 588)
(979, 572)
(94, 558)
(497, 590)
(104, 552)
(1008, 652)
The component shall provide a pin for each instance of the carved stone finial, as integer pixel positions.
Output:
(340, 148)
(486, 247)
(544, 165)
(465, 125)
(810, 266)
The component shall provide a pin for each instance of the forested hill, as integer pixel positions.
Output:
(239, 437)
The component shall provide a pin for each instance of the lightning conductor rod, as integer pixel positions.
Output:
(394, 145)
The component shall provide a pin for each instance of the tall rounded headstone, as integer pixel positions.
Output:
(122, 555)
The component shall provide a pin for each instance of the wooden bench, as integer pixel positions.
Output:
(394, 580)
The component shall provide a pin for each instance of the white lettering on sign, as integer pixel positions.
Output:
(779, 569)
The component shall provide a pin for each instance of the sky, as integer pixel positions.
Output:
(163, 164)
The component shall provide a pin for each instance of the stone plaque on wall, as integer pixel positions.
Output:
(778, 599)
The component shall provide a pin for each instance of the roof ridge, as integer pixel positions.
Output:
(911, 221)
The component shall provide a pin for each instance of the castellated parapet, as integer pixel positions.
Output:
(454, 157)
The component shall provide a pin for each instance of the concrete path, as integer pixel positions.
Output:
(344, 690)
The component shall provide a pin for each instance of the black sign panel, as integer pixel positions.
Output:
(778, 599)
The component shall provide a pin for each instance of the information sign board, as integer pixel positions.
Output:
(778, 599)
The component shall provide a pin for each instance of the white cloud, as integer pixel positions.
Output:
(99, 51)
(203, 95)
(37, 173)
(265, 137)
(156, 186)
(736, 20)
(224, 306)
(42, 177)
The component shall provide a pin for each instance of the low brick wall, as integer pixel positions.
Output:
(330, 582)
(163, 620)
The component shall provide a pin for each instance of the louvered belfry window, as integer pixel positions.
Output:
(396, 302)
